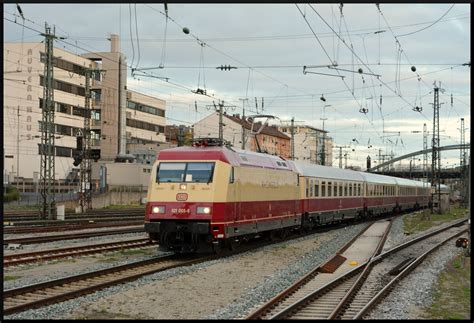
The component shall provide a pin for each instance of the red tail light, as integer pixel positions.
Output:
(147, 211)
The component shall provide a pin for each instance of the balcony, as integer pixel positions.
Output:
(95, 143)
(96, 123)
(96, 104)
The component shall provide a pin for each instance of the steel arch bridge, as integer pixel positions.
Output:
(416, 153)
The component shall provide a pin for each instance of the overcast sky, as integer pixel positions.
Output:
(269, 44)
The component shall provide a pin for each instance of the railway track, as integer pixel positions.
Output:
(44, 239)
(34, 215)
(44, 255)
(84, 226)
(33, 296)
(325, 293)
(23, 298)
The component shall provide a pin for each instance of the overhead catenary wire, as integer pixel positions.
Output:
(436, 21)
(131, 36)
(138, 38)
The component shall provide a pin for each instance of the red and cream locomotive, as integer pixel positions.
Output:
(210, 196)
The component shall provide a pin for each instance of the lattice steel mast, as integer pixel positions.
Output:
(435, 157)
(86, 165)
(47, 168)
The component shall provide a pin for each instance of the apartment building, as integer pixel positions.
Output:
(270, 139)
(309, 144)
(119, 117)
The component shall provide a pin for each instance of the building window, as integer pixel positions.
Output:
(78, 111)
(145, 125)
(66, 87)
(145, 108)
(63, 151)
(63, 130)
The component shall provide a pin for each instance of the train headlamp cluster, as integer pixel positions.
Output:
(203, 210)
(158, 209)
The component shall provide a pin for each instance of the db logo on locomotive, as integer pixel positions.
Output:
(182, 197)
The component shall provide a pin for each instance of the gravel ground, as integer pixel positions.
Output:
(209, 287)
(415, 292)
(233, 287)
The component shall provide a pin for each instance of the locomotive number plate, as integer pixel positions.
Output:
(182, 197)
(180, 211)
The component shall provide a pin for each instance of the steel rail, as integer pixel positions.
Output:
(309, 276)
(85, 226)
(386, 290)
(43, 239)
(361, 279)
(349, 275)
(37, 256)
(32, 296)
(341, 281)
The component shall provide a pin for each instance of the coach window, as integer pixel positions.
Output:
(350, 189)
(345, 189)
(335, 189)
(307, 187)
(323, 189)
(316, 188)
(311, 188)
(329, 188)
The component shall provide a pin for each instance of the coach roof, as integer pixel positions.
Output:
(327, 172)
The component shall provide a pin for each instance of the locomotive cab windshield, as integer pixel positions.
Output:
(180, 172)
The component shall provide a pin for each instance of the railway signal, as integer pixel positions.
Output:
(462, 243)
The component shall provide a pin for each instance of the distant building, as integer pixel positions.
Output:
(309, 144)
(179, 135)
(270, 139)
(119, 117)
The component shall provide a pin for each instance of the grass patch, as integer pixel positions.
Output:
(452, 299)
(417, 222)
(131, 252)
(8, 278)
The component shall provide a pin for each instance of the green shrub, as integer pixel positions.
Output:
(12, 194)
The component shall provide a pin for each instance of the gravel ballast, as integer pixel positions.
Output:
(205, 290)
(232, 287)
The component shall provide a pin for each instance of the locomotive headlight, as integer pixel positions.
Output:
(158, 209)
(182, 187)
(203, 210)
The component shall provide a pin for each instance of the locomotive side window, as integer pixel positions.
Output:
(231, 176)
(185, 172)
